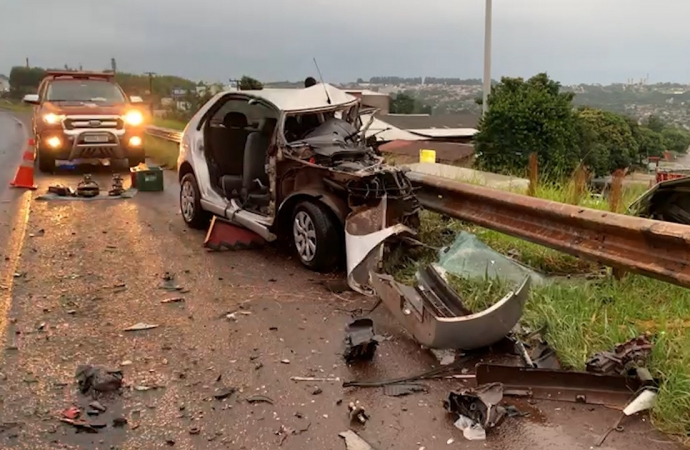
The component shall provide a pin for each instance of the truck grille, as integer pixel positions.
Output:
(94, 123)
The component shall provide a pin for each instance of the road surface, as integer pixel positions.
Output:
(75, 274)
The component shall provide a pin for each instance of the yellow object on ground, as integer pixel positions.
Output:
(427, 156)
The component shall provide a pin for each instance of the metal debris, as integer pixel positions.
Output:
(173, 300)
(357, 413)
(80, 425)
(259, 399)
(87, 187)
(169, 283)
(354, 442)
(224, 393)
(117, 187)
(141, 326)
(480, 405)
(98, 379)
(360, 340)
(560, 385)
(625, 356)
(285, 431)
(401, 390)
(315, 379)
(644, 401)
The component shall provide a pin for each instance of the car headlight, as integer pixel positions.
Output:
(134, 118)
(52, 119)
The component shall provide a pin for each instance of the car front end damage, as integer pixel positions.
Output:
(378, 201)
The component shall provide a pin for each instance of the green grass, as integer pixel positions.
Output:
(579, 316)
(14, 106)
(167, 123)
(161, 151)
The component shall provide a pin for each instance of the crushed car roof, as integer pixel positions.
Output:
(314, 97)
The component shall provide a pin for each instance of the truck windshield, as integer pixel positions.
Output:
(84, 91)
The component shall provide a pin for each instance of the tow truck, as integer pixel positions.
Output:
(85, 115)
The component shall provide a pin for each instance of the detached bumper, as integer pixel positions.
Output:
(88, 143)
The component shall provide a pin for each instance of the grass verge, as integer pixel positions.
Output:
(167, 123)
(161, 151)
(13, 106)
(580, 317)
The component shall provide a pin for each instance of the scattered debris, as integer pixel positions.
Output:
(98, 379)
(479, 405)
(644, 401)
(259, 399)
(141, 326)
(560, 385)
(354, 442)
(401, 390)
(471, 430)
(285, 431)
(173, 300)
(194, 430)
(315, 379)
(61, 190)
(80, 425)
(360, 340)
(119, 422)
(317, 391)
(87, 187)
(224, 393)
(444, 357)
(285, 361)
(625, 356)
(117, 186)
(71, 413)
(434, 314)
(357, 413)
(169, 283)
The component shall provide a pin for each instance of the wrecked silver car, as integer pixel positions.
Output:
(295, 163)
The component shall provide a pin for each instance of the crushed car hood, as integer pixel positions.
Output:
(668, 201)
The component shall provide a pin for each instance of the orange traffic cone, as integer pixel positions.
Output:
(25, 173)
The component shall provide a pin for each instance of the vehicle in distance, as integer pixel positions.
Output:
(295, 165)
(85, 115)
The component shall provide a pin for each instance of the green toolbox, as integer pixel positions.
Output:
(147, 178)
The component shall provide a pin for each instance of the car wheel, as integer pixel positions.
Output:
(46, 161)
(316, 236)
(190, 203)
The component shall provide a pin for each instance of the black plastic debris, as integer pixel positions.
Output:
(401, 390)
(624, 357)
(224, 393)
(259, 399)
(360, 340)
(479, 404)
(98, 379)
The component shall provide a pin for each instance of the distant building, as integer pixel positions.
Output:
(372, 99)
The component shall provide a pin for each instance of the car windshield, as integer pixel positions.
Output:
(84, 91)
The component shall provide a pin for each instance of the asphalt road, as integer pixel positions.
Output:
(83, 271)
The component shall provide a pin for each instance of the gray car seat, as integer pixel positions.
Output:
(230, 158)
(255, 153)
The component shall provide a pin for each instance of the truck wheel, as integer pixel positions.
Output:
(46, 161)
(190, 204)
(316, 236)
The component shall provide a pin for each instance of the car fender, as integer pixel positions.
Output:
(336, 204)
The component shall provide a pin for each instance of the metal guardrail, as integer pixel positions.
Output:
(164, 133)
(653, 248)
(649, 247)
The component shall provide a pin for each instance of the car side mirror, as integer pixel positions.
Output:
(31, 99)
(136, 99)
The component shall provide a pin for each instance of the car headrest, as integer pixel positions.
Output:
(268, 125)
(235, 119)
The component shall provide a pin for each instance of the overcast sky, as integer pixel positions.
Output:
(573, 40)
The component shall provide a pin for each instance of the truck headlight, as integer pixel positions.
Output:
(52, 119)
(134, 118)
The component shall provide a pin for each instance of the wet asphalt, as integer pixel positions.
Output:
(87, 270)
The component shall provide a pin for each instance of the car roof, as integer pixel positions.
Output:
(311, 98)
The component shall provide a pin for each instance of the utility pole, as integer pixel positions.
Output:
(487, 58)
(151, 75)
(27, 63)
(234, 82)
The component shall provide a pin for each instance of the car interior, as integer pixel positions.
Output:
(238, 137)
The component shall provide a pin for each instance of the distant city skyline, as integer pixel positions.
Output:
(588, 41)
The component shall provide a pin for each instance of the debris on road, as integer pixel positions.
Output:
(141, 326)
(259, 399)
(98, 379)
(624, 357)
(354, 442)
(224, 393)
(117, 187)
(360, 340)
(173, 300)
(471, 430)
(88, 187)
(169, 283)
(80, 425)
(479, 407)
(285, 431)
(434, 314)
(224, 235)
(315, 379)
(61, 190)
(560, 385)
(357, 413)
(644, 401)
(401, 390)
(71, 413)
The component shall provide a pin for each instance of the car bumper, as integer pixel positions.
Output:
(87, 143)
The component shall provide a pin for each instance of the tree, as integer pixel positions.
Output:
(655, 123)
(676, 140)
(611, 133)
(249, 84)
(651, 143)
(25, 80)
(525, 117)
(404, 103)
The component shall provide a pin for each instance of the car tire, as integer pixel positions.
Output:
(46, 161)
(317, 237)
(190, 204)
